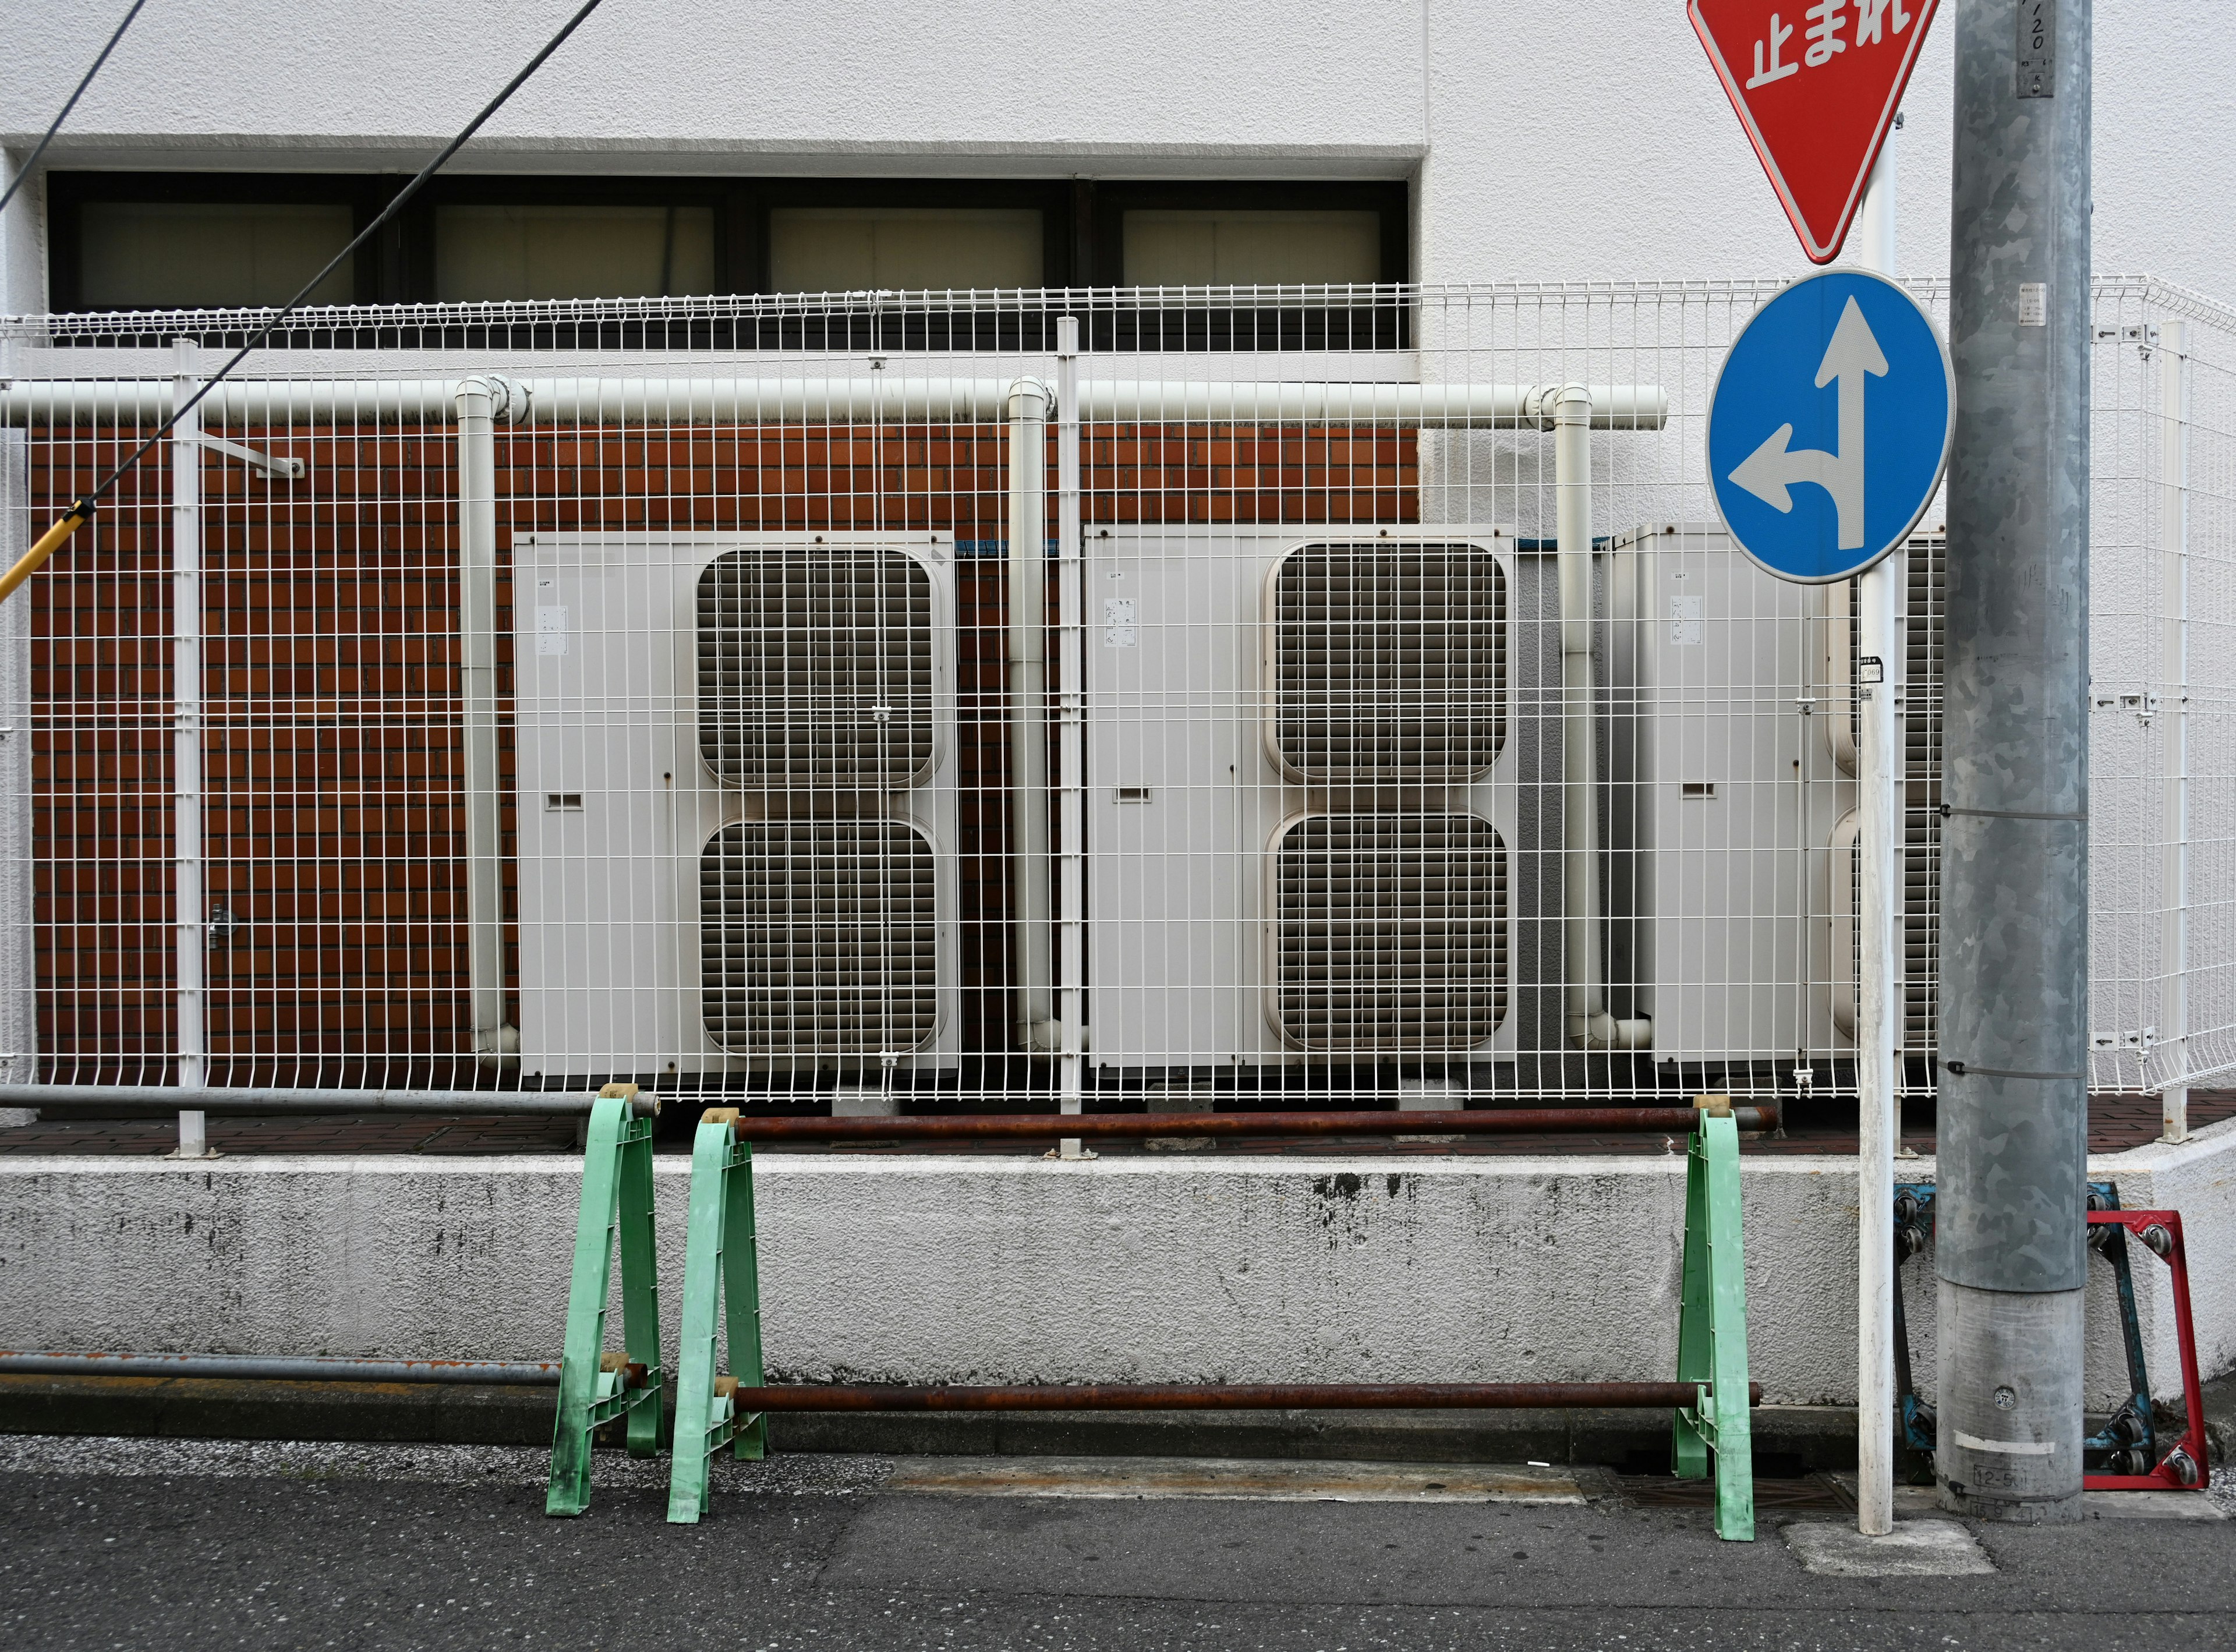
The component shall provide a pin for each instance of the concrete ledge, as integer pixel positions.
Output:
(922, 1269)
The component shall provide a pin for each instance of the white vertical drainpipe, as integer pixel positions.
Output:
(480, 402)
(1071, 742)
(1028, 820)
(1567, 410)
(187, 742)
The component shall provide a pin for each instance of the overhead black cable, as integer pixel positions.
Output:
(82, 510)
(32, 165)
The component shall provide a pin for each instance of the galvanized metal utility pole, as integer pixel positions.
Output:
(2013, 1115)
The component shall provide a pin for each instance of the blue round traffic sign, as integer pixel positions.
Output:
(1829, 428)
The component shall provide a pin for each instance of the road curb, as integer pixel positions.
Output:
(1788, 1439)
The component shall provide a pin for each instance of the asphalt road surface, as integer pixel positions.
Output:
(181, 1545)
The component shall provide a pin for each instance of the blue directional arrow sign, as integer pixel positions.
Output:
(1830, 425)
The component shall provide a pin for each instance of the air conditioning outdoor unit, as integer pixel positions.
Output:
(1733, 797)
(1723, 799)
(737, 816)
(1925, 605)
(1302, 759)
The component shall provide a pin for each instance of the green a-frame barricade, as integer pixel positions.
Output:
(1712, 1346)
(722, 1272)
(595, 1387)
(722, 1282)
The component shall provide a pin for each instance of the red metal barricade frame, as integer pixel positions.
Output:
(2164, 1477)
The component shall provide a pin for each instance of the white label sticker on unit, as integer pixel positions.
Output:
(1684, 622)
(550, 629)
(1118, 622)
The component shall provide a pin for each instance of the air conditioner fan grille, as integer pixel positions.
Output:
(1389, 932)
(1390, 661)
(819, 938)
(815, 669)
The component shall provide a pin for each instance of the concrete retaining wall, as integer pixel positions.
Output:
(1196, 1269)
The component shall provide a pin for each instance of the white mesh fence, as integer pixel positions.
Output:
(638, 691)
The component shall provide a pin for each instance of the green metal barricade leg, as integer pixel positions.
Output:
(1691, 1446)
(718, 1261)
(595, 1387)
(741, 1293)
(1712, 1327)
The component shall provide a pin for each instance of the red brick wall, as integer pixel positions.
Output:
(330, 752)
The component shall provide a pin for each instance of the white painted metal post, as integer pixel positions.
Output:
(186, 741)
(1071, 741)
(1879, 788)
(2174, 539)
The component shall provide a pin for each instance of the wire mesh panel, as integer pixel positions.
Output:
(1181, 697)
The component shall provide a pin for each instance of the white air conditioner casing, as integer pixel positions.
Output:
(1723, 801)
(1301, 830)
(821, 838)
(1924, 606)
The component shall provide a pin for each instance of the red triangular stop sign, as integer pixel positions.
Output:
(1815, 84)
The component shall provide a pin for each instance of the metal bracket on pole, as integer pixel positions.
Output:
(266, 465)
(721, 1270)
(595, 1387)
(1712, 1350)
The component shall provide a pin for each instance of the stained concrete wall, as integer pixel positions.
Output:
(1548, 141)
(952, 1269)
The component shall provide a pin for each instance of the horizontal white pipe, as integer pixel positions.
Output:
(880, 396)
(133, 1100)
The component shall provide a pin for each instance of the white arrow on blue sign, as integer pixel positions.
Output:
(1829, 428)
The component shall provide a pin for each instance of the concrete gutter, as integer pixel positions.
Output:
(1789, 1439)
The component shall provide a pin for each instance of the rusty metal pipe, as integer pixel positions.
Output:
(1285, 1396)
(1120, 1126)
(275, 1367)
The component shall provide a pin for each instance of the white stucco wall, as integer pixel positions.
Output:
(1550, 142)
(985, 1269)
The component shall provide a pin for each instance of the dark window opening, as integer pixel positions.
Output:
(160, 241)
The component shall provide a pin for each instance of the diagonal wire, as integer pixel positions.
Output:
(32, 165)
(82, 510)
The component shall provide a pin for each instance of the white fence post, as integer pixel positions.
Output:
(186, 741)
(1071, 739)
(2174, 539)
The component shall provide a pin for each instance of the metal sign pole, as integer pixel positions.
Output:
(1880, 657)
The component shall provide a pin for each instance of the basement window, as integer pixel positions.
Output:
(867, 249)
(210, 254)
(1226, 247)
(572, 252)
